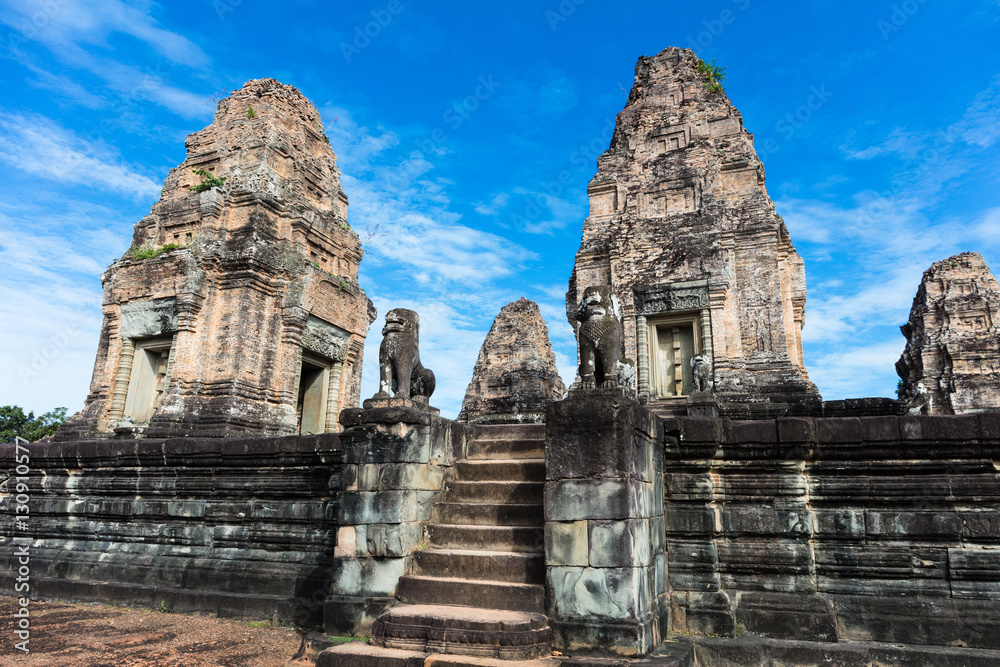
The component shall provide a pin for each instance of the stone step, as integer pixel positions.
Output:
(482, 594)
(498, 449)
(488, 514)
(510, 566)
(357, 654)
(488, 633)
(511, 431)
(496, 492)
(488, 538)
(509, 470)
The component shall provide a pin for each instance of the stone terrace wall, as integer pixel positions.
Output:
(237, 527)
(878, 528)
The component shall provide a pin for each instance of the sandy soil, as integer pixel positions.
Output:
(91, 635)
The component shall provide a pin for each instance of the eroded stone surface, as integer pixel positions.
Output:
(953, 340)
(254, 323)
(515, 377)
(682, 228)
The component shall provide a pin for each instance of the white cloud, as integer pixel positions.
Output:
(495, 205)
(64, 25)
(546, 214)
(51, 296)
(38, 145)
(858, 371)
(75, 31)
(979, 125)
(451, 251)
(891, 237)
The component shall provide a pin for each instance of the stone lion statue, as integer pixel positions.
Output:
(702, 373)
(399, 358)
(600, 338)
(919, 402)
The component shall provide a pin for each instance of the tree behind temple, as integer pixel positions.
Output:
(14, 423)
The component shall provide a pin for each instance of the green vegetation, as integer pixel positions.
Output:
(148, 251)
(900, 392)
(207, 181)
(14, 423)
(163, 607)
(343, 639)
(714, 76)
(250, 113)
(344, 283)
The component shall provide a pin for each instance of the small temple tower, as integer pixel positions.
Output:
(515, 377)
(951, 364)
(237, 310)
(682, 229)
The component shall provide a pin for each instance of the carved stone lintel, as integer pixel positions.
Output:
(154, 317)
(672, 298)
(325, 339)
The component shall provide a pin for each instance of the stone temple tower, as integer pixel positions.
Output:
(682, 228)
(953, 338)
(237, 310)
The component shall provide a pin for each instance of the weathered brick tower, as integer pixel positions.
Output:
(237, 310)
(683, 230)
(953, 338)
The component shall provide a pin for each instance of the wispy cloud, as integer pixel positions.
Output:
(454, 252)
(80, 33)
(891, 236)
(450, 272)
(66, 25)
(496, 203)
(49, 267)
(38, 145)
(854, 374)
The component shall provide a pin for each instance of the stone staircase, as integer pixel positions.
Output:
(477, 589)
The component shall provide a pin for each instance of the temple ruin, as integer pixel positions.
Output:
(237, 310)
(515, 376)
(690, 500)
(682, 229)
(951, 364)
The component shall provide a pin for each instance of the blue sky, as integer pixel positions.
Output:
(470, 131)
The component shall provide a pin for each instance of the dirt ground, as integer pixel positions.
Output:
(93, 635)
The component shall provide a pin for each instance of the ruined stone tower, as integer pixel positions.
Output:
(515, 377)
(237, 309)
(682, 228)
(953, 339)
